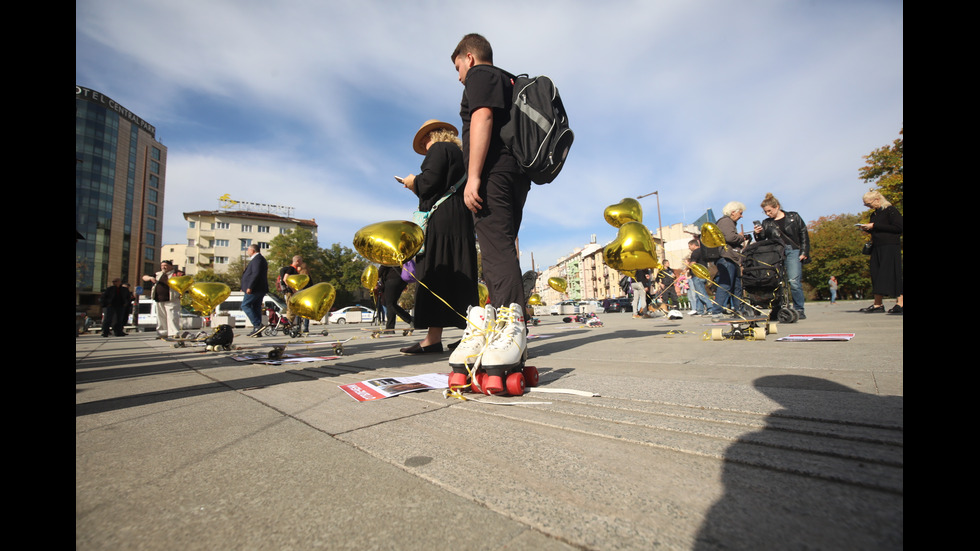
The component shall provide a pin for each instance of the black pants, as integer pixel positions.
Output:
(497, 225)
(393, 291)
(114, 318)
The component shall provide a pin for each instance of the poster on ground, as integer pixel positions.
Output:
(386, 387)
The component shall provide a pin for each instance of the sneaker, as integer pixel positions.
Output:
(478, 321)
(256, 331)
(507, 345)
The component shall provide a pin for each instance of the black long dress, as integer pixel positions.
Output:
(448, 266)
(886, 252)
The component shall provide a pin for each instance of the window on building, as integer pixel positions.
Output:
(190, 242)
(222, 226)
(192, 224)
(246, 227)
(152, 195)
(155, 167)
(245, 243)
(149, 253)
(220, 242)
(263, 229)
(263, 245)
(221, 260)
(155, 153)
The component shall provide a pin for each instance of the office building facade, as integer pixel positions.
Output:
(120, 180)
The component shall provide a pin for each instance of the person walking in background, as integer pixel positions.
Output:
(255, 285)
(832, 283)
(885, 227)
(393, 284)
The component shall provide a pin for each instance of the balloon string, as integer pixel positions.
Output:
(456, 392)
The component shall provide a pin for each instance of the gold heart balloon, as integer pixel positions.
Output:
(700, 271)
(369, 277)
(484, 294)
(632, 250)
(535, 300)
(558, 283)
(391, 243)
(711, 235)
(180, 283)
(207, 295)
(297, 281)
(313, 302)
(627, 210)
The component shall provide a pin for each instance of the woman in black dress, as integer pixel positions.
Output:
(885, 226)
(447, 269)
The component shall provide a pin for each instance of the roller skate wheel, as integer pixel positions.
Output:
(530, 375)
(515, 384)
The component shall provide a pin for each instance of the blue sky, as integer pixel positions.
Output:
(313, 104)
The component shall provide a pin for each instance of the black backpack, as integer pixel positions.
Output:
(762, 264)
(537, 133)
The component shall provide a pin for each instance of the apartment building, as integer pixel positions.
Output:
(215, 238)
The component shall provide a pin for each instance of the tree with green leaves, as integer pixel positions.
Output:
(885, 169)
(835, 250)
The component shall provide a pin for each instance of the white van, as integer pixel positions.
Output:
(233, 306)
(148, 317)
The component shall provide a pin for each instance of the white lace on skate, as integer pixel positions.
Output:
(479, 321)
(508, 342)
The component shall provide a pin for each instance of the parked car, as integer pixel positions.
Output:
(349, 314)
(233, 306)
(564, 307)
(189, 319)
(621, 304)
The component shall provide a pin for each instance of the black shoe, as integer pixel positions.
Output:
(417, 348)
(802, 316)
(873, 309)
(895, 309)
(454, 345)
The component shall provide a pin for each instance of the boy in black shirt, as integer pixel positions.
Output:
(495, 192)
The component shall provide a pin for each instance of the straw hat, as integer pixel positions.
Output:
(418, 144)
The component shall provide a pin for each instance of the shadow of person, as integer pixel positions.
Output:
(826, 472)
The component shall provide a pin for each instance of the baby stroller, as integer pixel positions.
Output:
(764, 283)
(279, 323)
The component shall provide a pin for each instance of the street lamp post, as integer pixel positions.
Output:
(660, 232)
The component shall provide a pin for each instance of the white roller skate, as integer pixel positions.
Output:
(479, 321)
(507, 347)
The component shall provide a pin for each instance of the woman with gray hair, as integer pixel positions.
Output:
(885, 226)
(729, 281)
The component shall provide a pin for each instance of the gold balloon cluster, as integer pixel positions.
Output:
(633, 249)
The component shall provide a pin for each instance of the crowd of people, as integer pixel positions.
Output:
(473, 189)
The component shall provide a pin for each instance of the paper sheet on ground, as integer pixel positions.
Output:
(819, 337)
(385, 387)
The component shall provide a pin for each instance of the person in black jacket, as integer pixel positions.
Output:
(885, 226)
(114, 301)
(789, 229)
